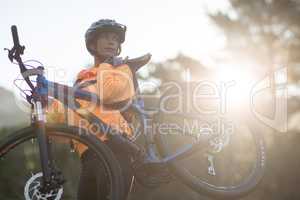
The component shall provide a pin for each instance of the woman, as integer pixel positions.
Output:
(113, 79)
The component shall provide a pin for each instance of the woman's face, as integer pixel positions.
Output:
(107, 44)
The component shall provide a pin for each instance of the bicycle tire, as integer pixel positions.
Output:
(101, 150)
(220, 192)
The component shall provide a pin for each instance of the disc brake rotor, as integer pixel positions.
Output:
(32, 190)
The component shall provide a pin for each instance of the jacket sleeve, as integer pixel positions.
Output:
(114, 84)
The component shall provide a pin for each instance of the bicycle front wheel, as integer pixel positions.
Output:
(20, 165)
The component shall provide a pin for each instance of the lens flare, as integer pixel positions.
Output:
(239, 81)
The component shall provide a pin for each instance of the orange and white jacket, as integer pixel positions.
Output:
(113, 84)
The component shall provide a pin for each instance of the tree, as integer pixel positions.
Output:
(266, 31)
(180, 68)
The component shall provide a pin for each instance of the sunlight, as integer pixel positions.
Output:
(239, 77)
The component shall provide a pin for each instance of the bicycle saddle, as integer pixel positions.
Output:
(137, 63)
(134, 63)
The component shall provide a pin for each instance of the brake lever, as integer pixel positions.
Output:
(15, 52)
(10, 54)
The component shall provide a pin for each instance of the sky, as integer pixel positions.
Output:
(53, 31)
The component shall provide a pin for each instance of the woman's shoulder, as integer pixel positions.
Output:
(117, 63)
(86, 73)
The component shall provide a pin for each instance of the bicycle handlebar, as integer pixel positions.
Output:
(14, 32)
(16, 52)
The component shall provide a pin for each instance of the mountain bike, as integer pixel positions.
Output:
(42, 167)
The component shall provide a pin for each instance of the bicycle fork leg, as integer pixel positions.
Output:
(43, 143)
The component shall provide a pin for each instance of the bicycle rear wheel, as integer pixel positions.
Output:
(230, 168)
(20, 168)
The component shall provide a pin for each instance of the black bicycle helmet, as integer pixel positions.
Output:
(103, 25)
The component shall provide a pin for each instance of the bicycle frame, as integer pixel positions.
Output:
(151, 148)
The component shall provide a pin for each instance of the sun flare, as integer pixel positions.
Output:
(239, 81)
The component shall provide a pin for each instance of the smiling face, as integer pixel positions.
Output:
(107, 44)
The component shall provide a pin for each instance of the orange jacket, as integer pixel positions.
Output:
(113, 85)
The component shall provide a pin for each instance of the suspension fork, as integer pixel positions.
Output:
(43, 141)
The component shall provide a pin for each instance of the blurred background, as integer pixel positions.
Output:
(221, 41)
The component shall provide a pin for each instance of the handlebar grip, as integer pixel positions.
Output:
(14, 32)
